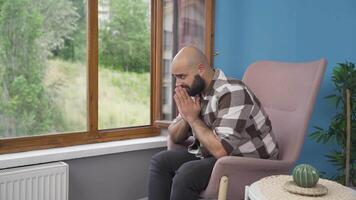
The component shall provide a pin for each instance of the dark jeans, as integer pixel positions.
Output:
(178, 175)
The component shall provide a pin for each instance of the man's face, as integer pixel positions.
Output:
(193, 83)
(188, 76)
(196, 87)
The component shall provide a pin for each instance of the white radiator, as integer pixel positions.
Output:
(38, 182)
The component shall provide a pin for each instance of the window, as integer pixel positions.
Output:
(43, 67)
(124, 63)
(185, 22)
(75, 72)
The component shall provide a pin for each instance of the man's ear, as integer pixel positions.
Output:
(201, 69)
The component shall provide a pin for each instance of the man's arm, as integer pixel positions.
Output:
(207, 137)
(189, 111)
(179, 130)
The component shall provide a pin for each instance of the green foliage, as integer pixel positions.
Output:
(124, 97)
(74, 47)
(33, 32)
(1, 2)
(59, 22)
(125, 38)
(29, 29)
(20, 58)
(344, 77)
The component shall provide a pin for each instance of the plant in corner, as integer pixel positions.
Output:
(342, 128)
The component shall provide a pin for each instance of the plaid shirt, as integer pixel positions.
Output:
(237, 118)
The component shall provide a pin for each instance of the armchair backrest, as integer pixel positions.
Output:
(288, 92)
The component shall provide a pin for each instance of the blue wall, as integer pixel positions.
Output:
(288, 30)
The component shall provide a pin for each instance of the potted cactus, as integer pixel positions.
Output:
(342, 128)
(305, 175)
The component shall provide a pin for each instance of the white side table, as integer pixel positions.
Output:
(272, 188)
(253, 192)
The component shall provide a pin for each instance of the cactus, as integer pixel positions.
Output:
(305, 175)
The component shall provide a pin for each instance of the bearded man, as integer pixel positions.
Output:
(224, 117)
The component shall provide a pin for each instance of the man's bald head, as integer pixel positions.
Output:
(190, 57)
(192, 71)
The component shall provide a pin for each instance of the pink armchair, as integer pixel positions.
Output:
(287, 91)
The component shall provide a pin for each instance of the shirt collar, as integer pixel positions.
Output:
(210, 90)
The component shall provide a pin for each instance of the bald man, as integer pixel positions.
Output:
(224, 117)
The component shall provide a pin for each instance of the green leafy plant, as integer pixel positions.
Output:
(29, 30)
(125, 39)
(344, 78)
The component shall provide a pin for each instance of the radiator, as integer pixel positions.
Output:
(37, 182)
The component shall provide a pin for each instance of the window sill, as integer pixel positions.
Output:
(163, 123)
(80, 151)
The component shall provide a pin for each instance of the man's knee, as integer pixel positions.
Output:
(184, 176)
(194, 175)
(160, 160)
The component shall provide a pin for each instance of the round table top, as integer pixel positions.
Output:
(272, 188)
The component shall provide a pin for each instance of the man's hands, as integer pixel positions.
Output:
(188, 108)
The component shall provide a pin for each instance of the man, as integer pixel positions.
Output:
(224, 117)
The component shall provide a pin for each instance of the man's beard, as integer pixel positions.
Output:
(197, 86)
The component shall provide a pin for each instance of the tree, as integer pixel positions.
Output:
(60, 19)
(125, 38)
(74, 48)
(29, 30)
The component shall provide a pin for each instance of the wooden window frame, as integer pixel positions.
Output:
(93, 134)
(209, 52)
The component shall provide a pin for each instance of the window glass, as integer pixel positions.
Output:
(43, 86)
(183, 25)
(124, 63)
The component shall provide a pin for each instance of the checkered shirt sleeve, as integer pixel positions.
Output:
(241, 124)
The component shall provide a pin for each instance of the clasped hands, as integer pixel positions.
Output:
(188, 107)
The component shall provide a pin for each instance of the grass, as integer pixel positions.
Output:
(124, 97)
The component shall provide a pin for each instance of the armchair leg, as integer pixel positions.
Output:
(223, 188)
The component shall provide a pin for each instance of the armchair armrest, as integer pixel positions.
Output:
(242, 171)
